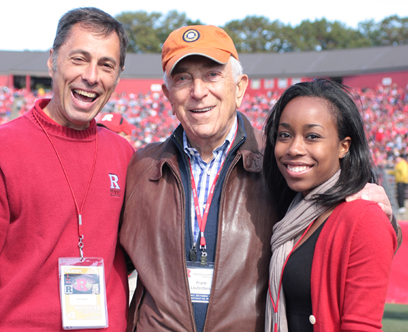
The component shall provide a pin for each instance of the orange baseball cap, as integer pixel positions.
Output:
(205, 40)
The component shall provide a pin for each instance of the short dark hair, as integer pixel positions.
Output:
(356, 166)
(92, 18)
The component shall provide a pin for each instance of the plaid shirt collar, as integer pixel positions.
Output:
(193, 154)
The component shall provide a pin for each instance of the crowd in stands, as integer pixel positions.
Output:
(384, 109)
(385, 114)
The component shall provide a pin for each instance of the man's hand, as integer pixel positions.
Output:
(375, 193)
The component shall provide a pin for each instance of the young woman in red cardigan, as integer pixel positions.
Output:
(331, 259)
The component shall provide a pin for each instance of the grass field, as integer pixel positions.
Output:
(395, 318)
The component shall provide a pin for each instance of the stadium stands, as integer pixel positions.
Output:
(384, 110)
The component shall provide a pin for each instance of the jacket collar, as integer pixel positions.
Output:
(247, 142)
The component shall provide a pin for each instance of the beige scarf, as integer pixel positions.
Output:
(301, 212)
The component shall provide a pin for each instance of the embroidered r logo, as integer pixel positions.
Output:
(114, 181)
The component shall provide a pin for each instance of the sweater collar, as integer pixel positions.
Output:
(55, 129)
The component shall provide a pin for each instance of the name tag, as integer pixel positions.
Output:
(200, 281)
(82, 293)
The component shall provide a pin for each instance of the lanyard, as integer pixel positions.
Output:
(202, 219)
(276, 306)
(79, 210)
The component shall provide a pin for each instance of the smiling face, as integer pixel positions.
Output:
(84, 76)
(205, 97)
(308, 150)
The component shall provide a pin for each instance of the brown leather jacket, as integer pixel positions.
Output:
(153, 230)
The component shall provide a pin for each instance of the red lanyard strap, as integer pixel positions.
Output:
(79, 210)
(202, 220)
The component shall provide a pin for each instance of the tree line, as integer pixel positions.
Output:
(148, 31)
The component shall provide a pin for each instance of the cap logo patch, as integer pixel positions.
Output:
(191, 36)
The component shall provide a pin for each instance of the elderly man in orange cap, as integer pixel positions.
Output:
(198, 217)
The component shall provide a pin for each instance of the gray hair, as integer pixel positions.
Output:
(236, 69)
(90, 18)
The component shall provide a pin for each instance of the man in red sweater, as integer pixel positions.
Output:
(62, 184)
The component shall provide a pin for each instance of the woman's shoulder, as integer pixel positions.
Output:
(361, 214)
(360, 223)
(359, 206)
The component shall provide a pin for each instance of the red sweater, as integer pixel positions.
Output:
(351, 268)
(38, 219)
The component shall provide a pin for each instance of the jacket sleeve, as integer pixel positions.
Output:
(372, 248)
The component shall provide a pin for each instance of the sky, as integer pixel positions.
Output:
(31, 24)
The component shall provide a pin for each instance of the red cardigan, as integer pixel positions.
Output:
(351, 268)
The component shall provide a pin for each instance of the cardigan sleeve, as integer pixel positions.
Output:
(372, 248)
(351, 268)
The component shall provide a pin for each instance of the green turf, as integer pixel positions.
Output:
(395, 318)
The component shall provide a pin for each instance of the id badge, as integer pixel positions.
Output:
(82, 293)
(200, 281)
